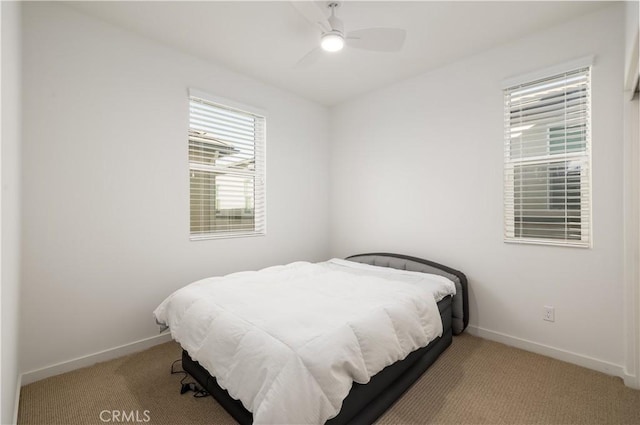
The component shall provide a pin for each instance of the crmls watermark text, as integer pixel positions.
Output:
(120, 416)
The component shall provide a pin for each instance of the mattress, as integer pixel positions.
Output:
(366, 401)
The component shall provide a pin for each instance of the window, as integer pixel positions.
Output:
(547, 162)
(227, 168)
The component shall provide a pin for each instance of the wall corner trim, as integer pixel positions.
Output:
(16, 405)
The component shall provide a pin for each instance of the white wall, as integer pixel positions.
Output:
(416, 168)
(10, 199)
(106, 218)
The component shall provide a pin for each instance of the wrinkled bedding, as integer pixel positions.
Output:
(289, 341)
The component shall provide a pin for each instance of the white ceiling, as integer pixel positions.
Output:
(264, 40)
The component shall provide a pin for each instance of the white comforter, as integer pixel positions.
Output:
(289, 341)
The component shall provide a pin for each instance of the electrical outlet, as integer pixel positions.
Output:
(549, 313)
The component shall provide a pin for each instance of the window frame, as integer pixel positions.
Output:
(258, 174)
(551, 159)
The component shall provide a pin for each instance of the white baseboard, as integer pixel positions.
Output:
(545, 350)
(631, 381)
(91, 359)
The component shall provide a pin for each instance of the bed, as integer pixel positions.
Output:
(364, 401)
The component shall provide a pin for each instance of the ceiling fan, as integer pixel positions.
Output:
(333, 37)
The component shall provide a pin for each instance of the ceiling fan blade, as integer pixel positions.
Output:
(377, 39)
(312, 13)
(309, 59)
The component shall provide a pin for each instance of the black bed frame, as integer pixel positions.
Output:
(367, 402)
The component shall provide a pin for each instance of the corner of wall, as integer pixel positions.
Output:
(631, 200)
(10, 199)
(632, 46)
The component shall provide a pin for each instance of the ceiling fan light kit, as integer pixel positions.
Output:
(332, 41)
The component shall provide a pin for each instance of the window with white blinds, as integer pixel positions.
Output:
(547, 158)
(227, 170)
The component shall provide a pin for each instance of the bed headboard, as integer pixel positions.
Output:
(460, 302)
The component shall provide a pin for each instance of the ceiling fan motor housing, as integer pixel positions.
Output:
(334, 21)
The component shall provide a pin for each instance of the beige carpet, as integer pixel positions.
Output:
(474, 382)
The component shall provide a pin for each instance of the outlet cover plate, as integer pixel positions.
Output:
(549, 313)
